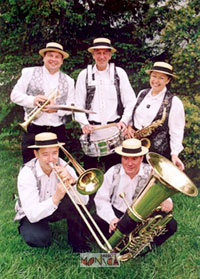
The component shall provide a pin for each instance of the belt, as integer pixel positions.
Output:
(99, 123)
(43, 127)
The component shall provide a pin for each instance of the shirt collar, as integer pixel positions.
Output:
(95, 70)
(46, 72)
(140, 173)
(160, 95)
(39, 170)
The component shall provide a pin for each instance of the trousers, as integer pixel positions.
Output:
(171, 227)
(39, 234)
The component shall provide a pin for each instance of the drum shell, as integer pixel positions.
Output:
(101, 143)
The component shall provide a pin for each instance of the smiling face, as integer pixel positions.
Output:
(158, 81)
(45, 156)
(53, 61)
(101, 57)
(131, 165)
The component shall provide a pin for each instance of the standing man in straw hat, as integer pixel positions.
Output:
(166, 138)
(106, 90)
(43, 199)
(129, 177)
(34, 87)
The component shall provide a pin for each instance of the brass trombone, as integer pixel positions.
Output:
(34, 113)
(88, 182)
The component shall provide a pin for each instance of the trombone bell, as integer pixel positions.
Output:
(90, 181)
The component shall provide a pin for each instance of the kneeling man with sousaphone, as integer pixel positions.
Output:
(146, 190)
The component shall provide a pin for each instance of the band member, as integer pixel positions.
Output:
(166, 139)
(106, 90)
(35, 86)
(129, 177)
(42, 197)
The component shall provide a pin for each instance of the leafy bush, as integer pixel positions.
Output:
(192, 139)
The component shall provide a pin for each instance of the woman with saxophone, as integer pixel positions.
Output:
(159, 115)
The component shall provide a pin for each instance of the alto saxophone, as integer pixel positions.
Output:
(147, 131)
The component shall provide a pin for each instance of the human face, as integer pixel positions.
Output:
(53, 61)
(101, 57)
(158, 81)
(45, 156)
(131, 165)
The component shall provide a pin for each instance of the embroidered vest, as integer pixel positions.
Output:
(18, 207)
(35, 86)
(91, 87)
(160, 138)
(142, 180)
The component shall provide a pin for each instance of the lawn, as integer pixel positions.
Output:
(178, 258)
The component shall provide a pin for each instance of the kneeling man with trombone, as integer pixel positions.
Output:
(42, 186)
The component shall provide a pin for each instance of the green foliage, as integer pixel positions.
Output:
(181, 35)
(192, 139)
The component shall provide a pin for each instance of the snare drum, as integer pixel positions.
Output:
(101, 142)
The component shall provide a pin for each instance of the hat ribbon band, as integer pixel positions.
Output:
(131, 150)
(46, 142)
(158, 68)
(54, 48)
(101, 44)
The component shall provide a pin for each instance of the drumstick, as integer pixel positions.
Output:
(98, 127)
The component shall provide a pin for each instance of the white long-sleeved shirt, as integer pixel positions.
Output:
(50, 82)
(144, 116)
(108, 195)
(35, 204)
(105, 102)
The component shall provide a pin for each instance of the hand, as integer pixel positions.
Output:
(59, 194)
(122, 126)
(177, 162)
(130, 132)
(88, 129)
(50, 110)
(113, 224)
(39, 99)
(167, 205)
(66, 177)
(60, 189)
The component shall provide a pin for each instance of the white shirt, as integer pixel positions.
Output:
(103, 200)
(105, 102)
(35, 205)
(50, 82)
(144, 116)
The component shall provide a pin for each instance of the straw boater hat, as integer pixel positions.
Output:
(101, 43)
(52, 46)
(46, 139)
(162, 67)
(131, 148)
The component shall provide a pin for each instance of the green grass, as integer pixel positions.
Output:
(178, 258)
